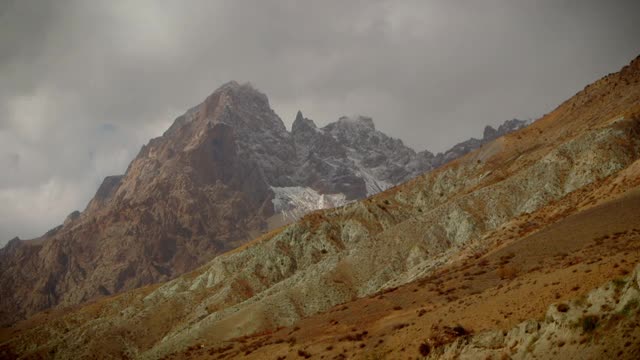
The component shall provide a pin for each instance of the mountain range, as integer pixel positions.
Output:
(526, 247)
(224, 172)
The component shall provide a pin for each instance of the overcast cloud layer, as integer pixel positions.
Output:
(83, 84)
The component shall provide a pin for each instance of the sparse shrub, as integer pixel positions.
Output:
(424, 349)
(618, 283)
(605, 307)
(628, 307)
(354, 337)
(399, 326)
(582, 301)
(447, 335)
(534, 269)
(390, 290)
(507, 272)
(562, 307)
(460, 330)
(589, 323)
(304, 354)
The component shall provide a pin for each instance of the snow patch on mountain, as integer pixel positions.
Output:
(295, 201)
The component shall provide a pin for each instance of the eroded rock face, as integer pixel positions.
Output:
(216, 178)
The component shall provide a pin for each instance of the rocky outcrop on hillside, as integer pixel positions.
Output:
(472, 144)
(583, 328)
(226, 170)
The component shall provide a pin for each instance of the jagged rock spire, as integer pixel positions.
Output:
(299, 116)
(301, 123)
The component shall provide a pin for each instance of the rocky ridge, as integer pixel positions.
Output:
(350, 156)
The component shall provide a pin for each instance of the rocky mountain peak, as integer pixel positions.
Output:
(358, 121)
(512, 125)
(489, 132)
(241, 105)
(302, 124)
(244, 91)
(12, 243)
(237, 105)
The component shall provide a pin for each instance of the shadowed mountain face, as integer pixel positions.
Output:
(225, 171)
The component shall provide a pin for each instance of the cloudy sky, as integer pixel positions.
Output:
(83, 84)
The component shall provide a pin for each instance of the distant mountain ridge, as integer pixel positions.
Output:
(355, 147)
(224, 172)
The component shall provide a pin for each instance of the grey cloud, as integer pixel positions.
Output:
(85, 84)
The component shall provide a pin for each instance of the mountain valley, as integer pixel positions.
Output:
(527, 246)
